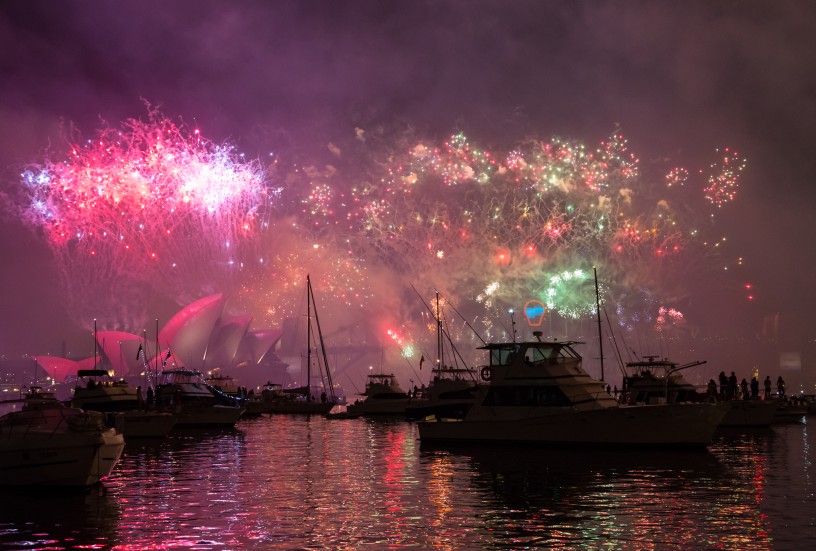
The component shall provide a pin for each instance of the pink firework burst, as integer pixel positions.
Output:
(152, 205)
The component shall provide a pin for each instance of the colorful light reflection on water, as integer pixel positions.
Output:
(293, 482)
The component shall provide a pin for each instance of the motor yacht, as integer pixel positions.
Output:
(653, 380)
(122, 405)
(196, 403)
(46, 443)
(539, 393)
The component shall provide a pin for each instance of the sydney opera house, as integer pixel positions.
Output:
(199, 337)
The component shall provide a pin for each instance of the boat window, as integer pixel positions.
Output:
(502, 356)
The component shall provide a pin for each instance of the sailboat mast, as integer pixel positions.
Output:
(440, 350)
(94, 365)
(598, 310)
(322, 346)
(309, 337)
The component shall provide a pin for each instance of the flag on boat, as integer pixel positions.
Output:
(421, 361)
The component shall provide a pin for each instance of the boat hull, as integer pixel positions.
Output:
(676, 426)
(144, 423)
(369, 406)
(208, 416)
(449, 409)
(59, 459)
(300, 407)
(749, 413)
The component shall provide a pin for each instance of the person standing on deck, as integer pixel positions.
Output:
(732, 386)
(744, 388)
(754, 388)
(723, 385)
(768, 387)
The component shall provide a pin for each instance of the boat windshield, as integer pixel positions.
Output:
(538, 353)
(533, 352)
(180, 377)
(503, 355)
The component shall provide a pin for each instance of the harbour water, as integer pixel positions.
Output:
(296, 482)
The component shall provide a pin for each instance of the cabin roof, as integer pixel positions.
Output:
(528, 344)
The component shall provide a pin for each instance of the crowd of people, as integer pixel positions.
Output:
(730, 389)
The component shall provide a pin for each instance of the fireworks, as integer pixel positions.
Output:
(149, 206)
(154, 206)
(724, 178)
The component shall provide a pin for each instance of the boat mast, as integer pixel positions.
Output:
(598, 311)
(322, 346)
(94, 366)
(440, 348)
(308, 338)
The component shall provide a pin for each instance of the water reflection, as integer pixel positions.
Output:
(39, 519)
(306, 482)
(558, 499)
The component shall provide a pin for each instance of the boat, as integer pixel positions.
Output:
(382, 396)
(143, 423)
(296, 400)
(225, 384)
(258, 404)
(655, 380)
(48, 444)
(451, 391)
(537, 392)
(341, 412)
(450, 394)
(788, 411)
(122, 405)
(302, 400)
(96, 390)
(195, 403)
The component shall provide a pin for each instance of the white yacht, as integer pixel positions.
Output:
(661, 381)
(538, 393)
(195, 402)
(49, 444)
(122, 404)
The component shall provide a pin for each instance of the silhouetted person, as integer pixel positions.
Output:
(754, 388)
(150, 395)
(723, 385)
(712, 388)
(768, 387)
(732, 386)
(780, 387)
(744, 388)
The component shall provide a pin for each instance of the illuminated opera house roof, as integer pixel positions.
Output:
(199, 336)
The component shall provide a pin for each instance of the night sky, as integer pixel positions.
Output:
(295, 78)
